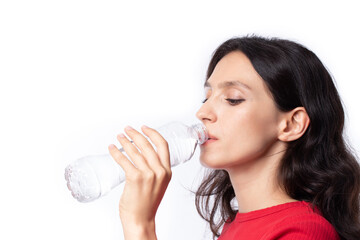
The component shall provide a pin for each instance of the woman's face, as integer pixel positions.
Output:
(239, 112)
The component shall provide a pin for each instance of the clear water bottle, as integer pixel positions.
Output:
(91, 177)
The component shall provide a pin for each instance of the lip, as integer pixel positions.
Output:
(210, 140)
(212, 137)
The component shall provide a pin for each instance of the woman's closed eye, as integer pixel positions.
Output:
(232, 102)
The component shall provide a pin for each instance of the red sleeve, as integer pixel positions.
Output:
(306, 227)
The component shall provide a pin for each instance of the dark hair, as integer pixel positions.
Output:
(318, 167)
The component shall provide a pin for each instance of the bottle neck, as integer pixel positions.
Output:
(199, 132)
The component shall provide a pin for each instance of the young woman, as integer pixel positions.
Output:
(276, 150)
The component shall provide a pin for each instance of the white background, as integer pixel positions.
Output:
(74, 73)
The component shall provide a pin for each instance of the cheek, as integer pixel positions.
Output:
(260, 119)
(248, 125)
(245, 135)
(249, 137)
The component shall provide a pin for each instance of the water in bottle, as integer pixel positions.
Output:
(91, 177)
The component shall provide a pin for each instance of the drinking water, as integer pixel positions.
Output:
(91, 177)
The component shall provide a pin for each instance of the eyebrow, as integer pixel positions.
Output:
(228, 84)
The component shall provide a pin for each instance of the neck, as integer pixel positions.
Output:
(255, 182)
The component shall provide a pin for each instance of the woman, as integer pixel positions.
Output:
(277, 151)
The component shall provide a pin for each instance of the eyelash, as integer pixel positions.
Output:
(232, 102)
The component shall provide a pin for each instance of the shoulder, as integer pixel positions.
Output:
(305, 226)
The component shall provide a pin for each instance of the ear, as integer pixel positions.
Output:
(293, 124)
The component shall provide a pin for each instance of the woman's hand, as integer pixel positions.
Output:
(146, 181)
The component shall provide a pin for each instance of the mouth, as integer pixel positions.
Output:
(210, 140)
(212, 137)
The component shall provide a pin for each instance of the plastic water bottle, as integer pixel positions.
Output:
(91, 177)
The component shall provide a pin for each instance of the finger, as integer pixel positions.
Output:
(147, 150)
(121, 159)
(161, 145)
(134, 154)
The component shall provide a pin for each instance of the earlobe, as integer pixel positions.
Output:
(293, 124)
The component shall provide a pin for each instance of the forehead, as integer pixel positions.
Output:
(227, 84)
(234, 70)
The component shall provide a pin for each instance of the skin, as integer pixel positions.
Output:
(145, 184)
(251, 137)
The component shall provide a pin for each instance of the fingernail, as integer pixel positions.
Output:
(121, 135)
(111, 146)
(129, 128)
(144, 126)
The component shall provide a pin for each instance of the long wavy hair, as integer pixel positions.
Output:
(319, 167)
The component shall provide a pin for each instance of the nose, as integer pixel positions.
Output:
(205, 113)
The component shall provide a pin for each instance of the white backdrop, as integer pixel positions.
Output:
(74, 73)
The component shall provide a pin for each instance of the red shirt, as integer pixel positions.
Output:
(289, 221)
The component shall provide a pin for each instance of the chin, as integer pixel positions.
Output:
(213, 163)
